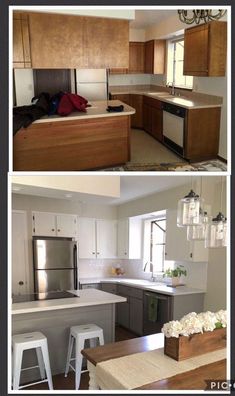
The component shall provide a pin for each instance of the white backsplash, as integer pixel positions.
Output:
(97, 268)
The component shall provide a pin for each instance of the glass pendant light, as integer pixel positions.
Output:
(189, 209)
(216, 233)
(198, 232)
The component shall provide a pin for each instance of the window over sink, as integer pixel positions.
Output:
(175, 65)
(155, 242)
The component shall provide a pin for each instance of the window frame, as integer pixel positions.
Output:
(171, 80)
(152, 222)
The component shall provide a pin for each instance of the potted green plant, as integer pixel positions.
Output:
(175, 274)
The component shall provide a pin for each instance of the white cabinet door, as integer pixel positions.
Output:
(66, 225)
(130, 238)
(19, 253)
(86, 238)
(44, 224)
(178, 248)
(106, 234)
(122, 238)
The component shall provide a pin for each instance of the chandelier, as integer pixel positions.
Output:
(197, 16)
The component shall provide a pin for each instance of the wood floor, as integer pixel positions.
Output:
(62, 383)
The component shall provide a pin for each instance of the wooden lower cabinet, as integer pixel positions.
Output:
(136, 101)
(152, 117)
(136, 315)
(202, 131)
(72, 145)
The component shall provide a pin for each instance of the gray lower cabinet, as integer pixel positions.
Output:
(109, 287)
(123, 313)
(130, 314)
(136, 315)
(90, 286)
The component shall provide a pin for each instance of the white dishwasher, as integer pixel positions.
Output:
(173, 127)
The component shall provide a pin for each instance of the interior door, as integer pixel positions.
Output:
(19, 253)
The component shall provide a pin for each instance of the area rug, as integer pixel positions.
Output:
(204, 166)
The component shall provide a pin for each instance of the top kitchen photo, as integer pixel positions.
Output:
(120, 89)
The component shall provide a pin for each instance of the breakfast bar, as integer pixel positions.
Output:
(55, 317)
(80, 141)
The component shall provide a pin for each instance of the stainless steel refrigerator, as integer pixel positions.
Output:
(92, 84)
(55, 264)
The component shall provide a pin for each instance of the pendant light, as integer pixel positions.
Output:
(189, 209)
(216, 233)
(198, 232)
(197, 16)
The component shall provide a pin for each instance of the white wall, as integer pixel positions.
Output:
(211, 275)
(24, 86)
(137, 35)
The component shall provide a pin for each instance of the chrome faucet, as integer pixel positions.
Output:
(172, 86)
(151, 269)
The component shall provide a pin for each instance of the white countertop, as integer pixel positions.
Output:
(182, 101)
(97, 110)
(158, 287)
(87, 297)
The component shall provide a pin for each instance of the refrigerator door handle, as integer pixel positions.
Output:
(75, 267)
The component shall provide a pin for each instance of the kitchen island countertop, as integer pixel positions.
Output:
(158, 287)
(97, 110)
(86, 298)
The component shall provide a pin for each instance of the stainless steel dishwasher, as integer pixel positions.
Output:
(173, 127)
(157, 311)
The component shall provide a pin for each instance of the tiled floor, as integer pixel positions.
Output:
(62, 383)
(144, 148)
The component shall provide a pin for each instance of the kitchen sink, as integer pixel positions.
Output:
(160, 93)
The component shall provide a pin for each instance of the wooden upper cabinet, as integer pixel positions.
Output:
(68, 41)
(56, 41)
(136, 57)
(21, 44)
(106, 43)
(155, 51)
(205, 49)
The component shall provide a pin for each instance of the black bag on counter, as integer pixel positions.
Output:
(115, 109)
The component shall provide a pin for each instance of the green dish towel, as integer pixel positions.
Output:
(152, 309)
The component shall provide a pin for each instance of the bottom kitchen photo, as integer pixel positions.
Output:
(118, 282)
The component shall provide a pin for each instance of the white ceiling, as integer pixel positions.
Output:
(145, 18)
(131, 187)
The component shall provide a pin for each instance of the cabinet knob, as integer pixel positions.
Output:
(21, 283)
(125, 253)
(165, 253)
(58, 230)
(191, 255)
(52, 229)
(98, 252)
(93, 252)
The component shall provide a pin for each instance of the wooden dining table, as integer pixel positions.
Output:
(191, 380)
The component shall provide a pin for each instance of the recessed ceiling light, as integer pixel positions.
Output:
(68, 195)
(15, 188)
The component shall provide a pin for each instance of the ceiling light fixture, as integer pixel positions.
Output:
(189, 209)
(197, 16)
(68, 195)
(16, 188)
(216, 233)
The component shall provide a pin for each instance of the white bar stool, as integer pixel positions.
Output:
(79, 334)
(22, 342)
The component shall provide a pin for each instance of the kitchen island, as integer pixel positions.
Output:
(55, 317)
(81, 141)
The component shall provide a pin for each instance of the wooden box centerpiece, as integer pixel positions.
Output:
(196, 344)
(195, 334)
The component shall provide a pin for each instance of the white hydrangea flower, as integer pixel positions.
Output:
(195, 323)
(172, 329)
(221, 317)
(191, 324)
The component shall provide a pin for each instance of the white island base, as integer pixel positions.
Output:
(54, 319)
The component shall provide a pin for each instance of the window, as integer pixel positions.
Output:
(155, 243)
(175, 65)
